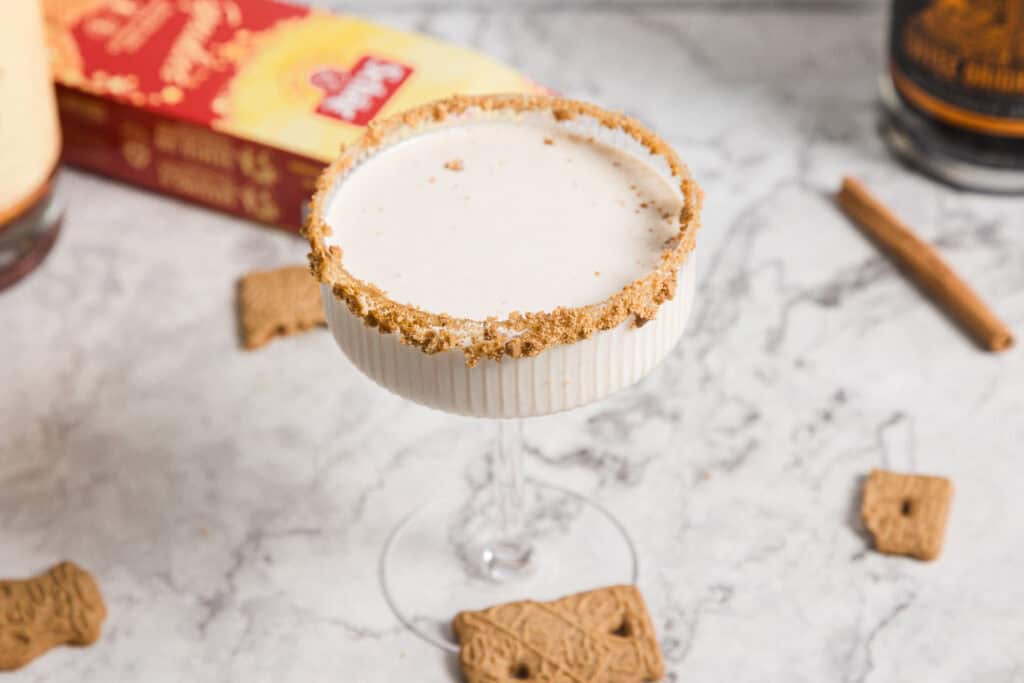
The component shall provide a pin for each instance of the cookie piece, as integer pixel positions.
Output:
(907, 513)
(601, 636)
(62, 606)
(278, 302)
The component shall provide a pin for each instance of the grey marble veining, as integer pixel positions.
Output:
(233, 504)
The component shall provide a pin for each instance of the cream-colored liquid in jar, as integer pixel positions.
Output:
(29, 133)
(485, 218)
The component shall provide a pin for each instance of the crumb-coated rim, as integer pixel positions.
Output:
(521, 334)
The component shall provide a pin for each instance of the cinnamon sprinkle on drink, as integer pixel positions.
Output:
(924, 265)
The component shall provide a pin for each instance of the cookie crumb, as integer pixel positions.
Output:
(597, 273)
(549, 141)
(454, 165)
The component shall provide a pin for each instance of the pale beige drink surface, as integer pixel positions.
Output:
(485, 218)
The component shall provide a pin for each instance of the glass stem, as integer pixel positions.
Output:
(511, 552)
(509, 479)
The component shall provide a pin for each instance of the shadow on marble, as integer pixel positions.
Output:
(120, 495)
(451, 666)
(853, 517)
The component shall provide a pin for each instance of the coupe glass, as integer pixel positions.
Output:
(517, 538)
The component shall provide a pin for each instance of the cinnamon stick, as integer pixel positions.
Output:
(924, 264)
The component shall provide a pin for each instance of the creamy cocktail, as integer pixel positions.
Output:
(506, 256)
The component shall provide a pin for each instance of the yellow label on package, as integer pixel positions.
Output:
(283, 85)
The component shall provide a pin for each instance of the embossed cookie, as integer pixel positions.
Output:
(278, 302)
(60, 607)
(907, 513)
(601, 636)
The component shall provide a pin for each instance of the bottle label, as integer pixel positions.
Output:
(29, 133)
(961, 62)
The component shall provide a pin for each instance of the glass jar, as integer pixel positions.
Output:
(30, 140)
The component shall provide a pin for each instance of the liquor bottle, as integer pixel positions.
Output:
(954, 91)
(30, 139)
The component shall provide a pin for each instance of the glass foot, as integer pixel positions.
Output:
(447, 557)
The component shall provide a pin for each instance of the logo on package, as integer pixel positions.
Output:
(355, 96)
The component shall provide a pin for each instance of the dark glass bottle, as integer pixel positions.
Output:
(954, 91)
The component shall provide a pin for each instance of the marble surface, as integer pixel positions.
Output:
(233, 504)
